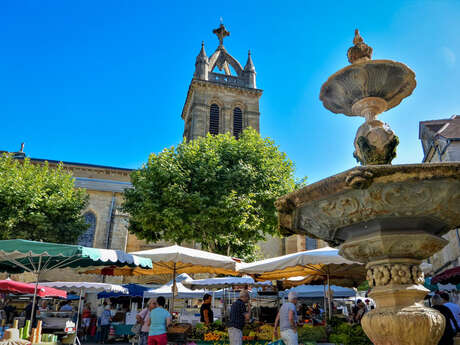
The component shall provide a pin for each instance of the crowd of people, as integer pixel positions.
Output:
(155, 319)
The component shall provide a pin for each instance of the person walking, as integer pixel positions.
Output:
(206, 313)
(105, 320)
(358, 311)
(287, 320)
(454, 308)
(238, 316)
(143, 318)
(449, 331)
(86, 320)
(160, 320)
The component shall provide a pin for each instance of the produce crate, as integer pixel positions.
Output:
(178, 333)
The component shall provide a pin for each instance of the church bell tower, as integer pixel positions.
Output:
(219, 101)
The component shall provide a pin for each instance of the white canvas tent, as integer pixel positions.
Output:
(182, 291)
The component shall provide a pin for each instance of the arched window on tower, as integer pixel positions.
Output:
(87, 238)
(214, 119)
(237, 122)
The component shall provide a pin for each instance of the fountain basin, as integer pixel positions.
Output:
(368, 199)
(389, 80)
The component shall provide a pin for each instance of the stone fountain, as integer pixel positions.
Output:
(390, 217)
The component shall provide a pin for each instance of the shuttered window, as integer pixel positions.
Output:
(214, 119)
(237, 122)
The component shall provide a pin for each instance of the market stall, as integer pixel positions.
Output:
(186, 308)
(266, 302)
(125, 307)
(18, 256)
(82, 288)
(175, 260)
(22, 328)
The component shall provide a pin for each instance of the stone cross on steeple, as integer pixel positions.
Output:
(221, 32)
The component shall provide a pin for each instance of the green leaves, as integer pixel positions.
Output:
(39, 203)
(215, 190)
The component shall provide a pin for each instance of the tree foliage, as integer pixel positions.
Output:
(39, 203)
(215, 190)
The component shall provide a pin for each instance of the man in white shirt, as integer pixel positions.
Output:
(454, 308)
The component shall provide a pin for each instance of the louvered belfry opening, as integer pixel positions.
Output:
(214, 119)
(237, 122)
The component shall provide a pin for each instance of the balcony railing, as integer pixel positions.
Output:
(226, 79)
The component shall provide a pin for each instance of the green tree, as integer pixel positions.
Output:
(39, 203)
(215, 190)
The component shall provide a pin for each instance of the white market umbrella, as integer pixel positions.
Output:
(176, 260)
(323, 265)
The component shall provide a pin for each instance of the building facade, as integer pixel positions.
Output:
(441, 143)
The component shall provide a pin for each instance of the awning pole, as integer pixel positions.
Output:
(171, 307)
(34, 301)
(78, 317)
(329, 297)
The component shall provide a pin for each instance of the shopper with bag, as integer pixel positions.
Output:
(141, 328)
(287, 320)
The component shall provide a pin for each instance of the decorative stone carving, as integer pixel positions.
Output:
(375, 143)
(413, 325)
(367, 88)
(380, 275)
(386, 79)
(395, 277)
(379, 246)
(359, 179)
(221, 32)
(360, 51)
(376, 198)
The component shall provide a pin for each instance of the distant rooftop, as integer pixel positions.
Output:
(445, 128)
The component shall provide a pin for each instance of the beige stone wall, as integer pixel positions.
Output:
(203, 94)
(449, 257)
(271, 247)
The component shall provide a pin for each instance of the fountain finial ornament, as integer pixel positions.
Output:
(360, 52)
(367, 88)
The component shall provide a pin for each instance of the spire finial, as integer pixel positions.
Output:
(249, 64)
(360, 51)
(221, 33)
(202, 55)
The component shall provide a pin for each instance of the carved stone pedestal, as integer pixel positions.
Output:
(393, 272)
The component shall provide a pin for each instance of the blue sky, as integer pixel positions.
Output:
(104, 82)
